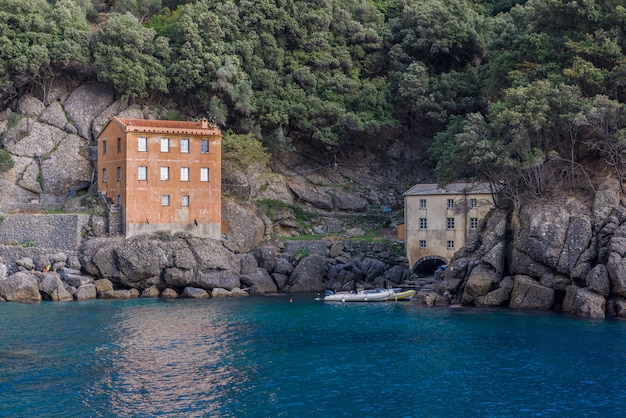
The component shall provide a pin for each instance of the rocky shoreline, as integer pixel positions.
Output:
(117, 268)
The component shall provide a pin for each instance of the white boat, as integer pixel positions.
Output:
(399, 294)
(374, 295)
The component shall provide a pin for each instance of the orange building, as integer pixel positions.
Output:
(163, 175)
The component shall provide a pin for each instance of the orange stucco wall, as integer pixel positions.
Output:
(141, 200)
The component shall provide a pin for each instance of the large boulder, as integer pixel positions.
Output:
(589, 304)
(528, 294)
(177, 277)
(51, 285)
(85, 103)
(259, 282)
(308, 276)
(245, 229)
(498, 297)
(212, 255)
(194, 293)
(132, 262)
(312, 195)
(208, 280)
(598, 280)
(482, 279)
(86, 292)
(20, 287)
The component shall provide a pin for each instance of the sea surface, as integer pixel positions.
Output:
(291, 356)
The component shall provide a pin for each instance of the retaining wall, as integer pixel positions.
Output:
(59, 232)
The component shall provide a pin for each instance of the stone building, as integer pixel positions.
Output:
(163, 176)
(437, 221)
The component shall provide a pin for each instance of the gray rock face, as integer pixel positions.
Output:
(29, 105)
(245, 229)
(86, 292)
(66, 166)
(589, 304)
(311, 195)
(308, 276)
(85, 103)
(54, 115)
(195, 293)
(259, 282)
(555, 235)
(174, 276)
(208, 280)
(499, 297)
(481, 281)
(528, 294)
(20, 287)
(598, 281)
(347, 201)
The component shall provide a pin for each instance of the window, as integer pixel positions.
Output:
(422, 203)
(165, 200)
(142, 144)
(142, 174)
(119, 144)
(104, 147)
(451, 245)
(185, 201)
(423, 224)
(204, 174)
(450, 203)
(165, 173)
(184, 174)
(104, 175)
(204, 146)
(422, 243)
(473, 203)
(165, 145)
(119, 173)
(449, 223)
(119, 200)
(473, 223)
(184, 145)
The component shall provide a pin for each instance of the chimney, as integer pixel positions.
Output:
(204, 124)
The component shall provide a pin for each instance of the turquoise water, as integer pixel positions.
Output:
(269, 357)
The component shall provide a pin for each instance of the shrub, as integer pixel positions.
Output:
(6, 162)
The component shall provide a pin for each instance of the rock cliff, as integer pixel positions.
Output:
(561, 254)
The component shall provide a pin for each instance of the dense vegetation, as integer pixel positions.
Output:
(522, 92)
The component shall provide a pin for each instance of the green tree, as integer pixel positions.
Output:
(245, 154)
(129, 57)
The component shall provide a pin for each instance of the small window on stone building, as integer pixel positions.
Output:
(423, 224)
(165, 200)
(142, 144)
(422, 203)
(184, 174)
(449, 223)
(473, 223)
(450, 203)
(165, 145)
(185, 201)
(184, 145)
(422, 243)
(204, 174)
(451, 245)
(104, 175)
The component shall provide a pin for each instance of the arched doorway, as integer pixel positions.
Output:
(426, 266)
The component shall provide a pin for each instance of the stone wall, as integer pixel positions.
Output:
(59, 232)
